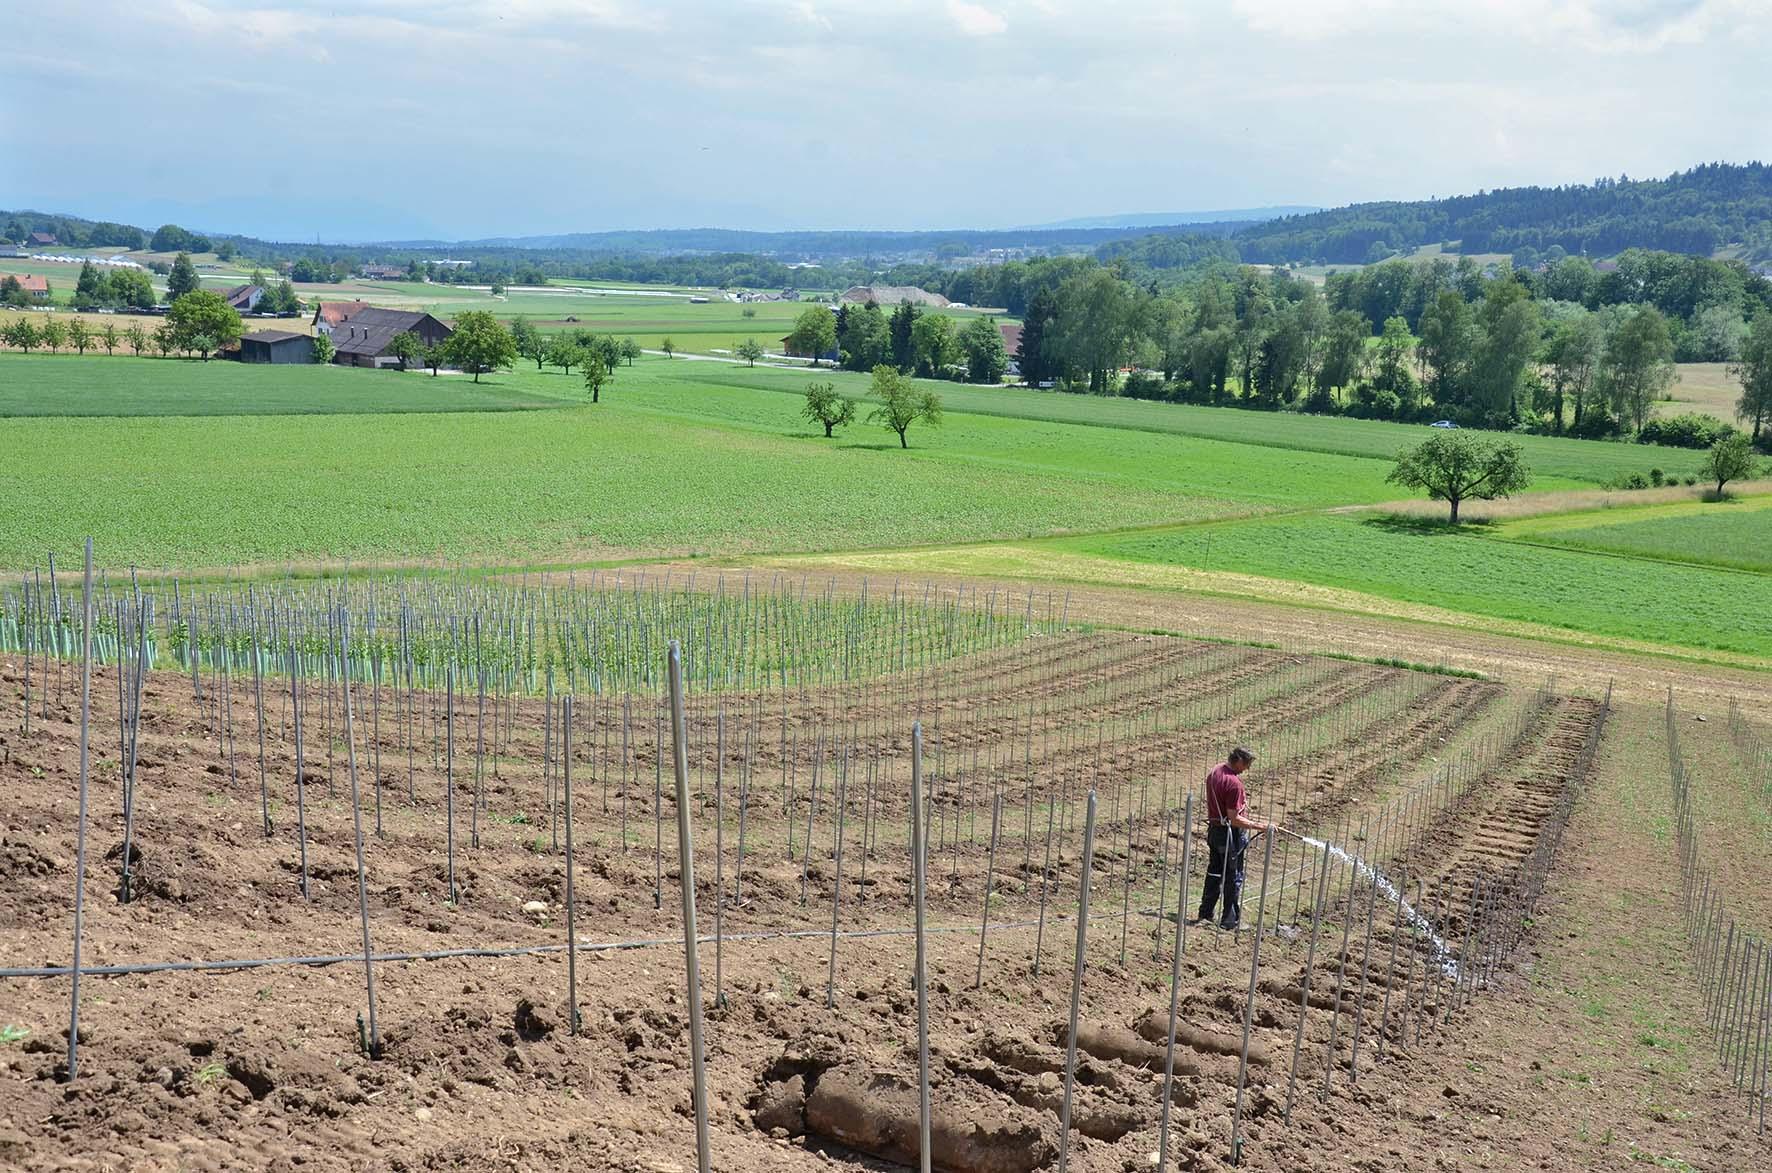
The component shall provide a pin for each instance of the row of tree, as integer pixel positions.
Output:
(931, 345)
(198, 323)
(570, 348)
(72, 232)
(1483, 351)
(1708, 302)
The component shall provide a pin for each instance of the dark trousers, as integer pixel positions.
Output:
(1224, 872)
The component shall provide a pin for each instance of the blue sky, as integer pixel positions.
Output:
(465, 118)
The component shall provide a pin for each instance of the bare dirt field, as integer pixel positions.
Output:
(1566, 1040)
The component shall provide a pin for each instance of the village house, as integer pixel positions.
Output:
(330, 314)
(366, 338)
(244, 298)
(382, 272)
(35, 285)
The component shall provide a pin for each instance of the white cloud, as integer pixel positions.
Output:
(806, 12)
(975, 20)
(1187, 103)
(1600, 26)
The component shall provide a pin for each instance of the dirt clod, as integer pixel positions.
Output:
(534, 1021)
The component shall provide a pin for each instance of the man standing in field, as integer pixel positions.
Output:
(1227, 835)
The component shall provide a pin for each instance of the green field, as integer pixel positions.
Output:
(176, 464)
(123, 385)
(664, 466)
(1556, 462)
(1466, 570)
(1736, 533)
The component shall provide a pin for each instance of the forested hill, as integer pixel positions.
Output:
(1697, 211)
(1694, 211)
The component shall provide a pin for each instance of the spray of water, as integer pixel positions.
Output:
(1441, 954)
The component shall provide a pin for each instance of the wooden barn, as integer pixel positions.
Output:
(277, 346)
(365, 339)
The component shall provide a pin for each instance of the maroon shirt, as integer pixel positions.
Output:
(1224, 794)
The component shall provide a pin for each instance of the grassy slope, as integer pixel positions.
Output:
(1466, 571)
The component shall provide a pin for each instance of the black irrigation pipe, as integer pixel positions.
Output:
(50, 971)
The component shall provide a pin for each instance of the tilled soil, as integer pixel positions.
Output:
(480, 1068)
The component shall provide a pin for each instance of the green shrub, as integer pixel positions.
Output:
(1689, 430)
(1145, 385)
(1596, 425)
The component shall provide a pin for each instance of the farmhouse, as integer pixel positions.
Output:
(244, 298)
(891, 295)
(44, 240)
(277, 346)
(365, 338)
(382, 272)
(35, 285)
(331, 313)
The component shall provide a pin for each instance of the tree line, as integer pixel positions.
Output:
(909, 340)
(1495, 349)
(199, 323)
(71, 231)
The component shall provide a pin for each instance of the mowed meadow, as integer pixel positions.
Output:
(1468, 570)
(181, 465)
(665, 465)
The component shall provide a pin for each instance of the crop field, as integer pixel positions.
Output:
(714, 328)
(651, 470)
(406, 864)
(526, 487)
(1556, 462)
(1734, 534)
(1425, 562)
(45, 385)
(714, 460)
(375, 863)
(648, 315)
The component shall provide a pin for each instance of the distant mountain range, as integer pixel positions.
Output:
(1166, 219)
(1713, 208)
